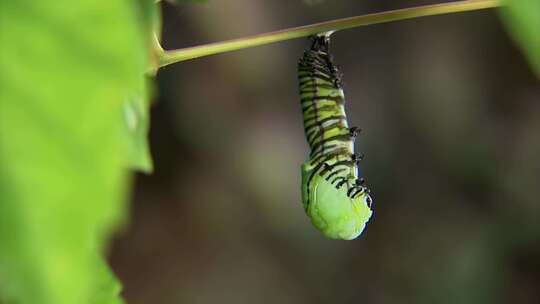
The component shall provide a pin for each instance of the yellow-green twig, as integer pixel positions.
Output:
(173, 56)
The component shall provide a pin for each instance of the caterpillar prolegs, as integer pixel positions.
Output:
(333, 194)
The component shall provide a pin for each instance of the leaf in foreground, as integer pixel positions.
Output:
(66, 67)
(522, 19)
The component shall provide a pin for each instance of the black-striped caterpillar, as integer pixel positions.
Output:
(333, 195)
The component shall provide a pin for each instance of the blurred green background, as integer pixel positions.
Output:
(451, 118)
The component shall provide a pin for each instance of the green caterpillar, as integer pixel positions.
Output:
(333, 195)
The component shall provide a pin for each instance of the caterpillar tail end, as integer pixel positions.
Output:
(332, 211)
(321, 41)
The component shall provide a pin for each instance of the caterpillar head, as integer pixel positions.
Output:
(332, 209)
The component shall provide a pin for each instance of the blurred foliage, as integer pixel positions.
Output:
(522, 18)
(71, 77)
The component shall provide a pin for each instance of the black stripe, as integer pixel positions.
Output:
(310, 83)
(338, 178)
(320, 76)
(315, 68)
(358, 191)
(313, 78)
(318, 156)
(318, 85)
(338, 185)
(338, 163)
(323, 152)
(336, 117)
(339, 137)
(317, 75)
(336, 98)
(320, 103)
(317, 110)
(327, 157)
(322, 130)
(309, 102)
(334, 172)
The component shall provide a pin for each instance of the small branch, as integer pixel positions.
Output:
(173, 56)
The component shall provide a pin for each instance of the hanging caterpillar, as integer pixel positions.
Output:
(333, 195)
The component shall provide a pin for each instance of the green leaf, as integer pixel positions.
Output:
(66, 69)
(136, 123)
(522, 19)
(136, 105)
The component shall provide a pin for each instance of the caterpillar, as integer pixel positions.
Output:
(334, 197)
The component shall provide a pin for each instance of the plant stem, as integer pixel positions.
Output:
(173, 56)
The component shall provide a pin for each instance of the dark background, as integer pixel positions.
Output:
(451, 119)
